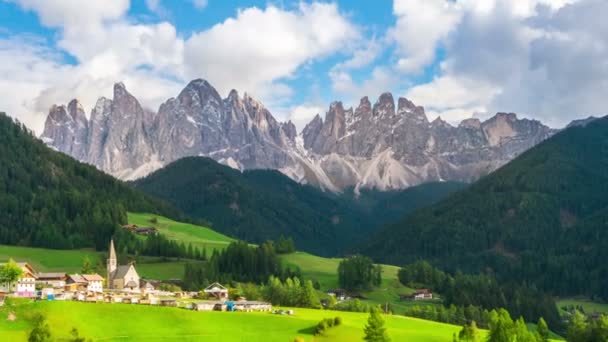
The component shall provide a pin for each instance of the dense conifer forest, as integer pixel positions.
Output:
(48, 199)
(258, 205)
(542, 219)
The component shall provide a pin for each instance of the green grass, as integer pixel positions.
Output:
(70, 261)
(588, 306)
(199, 236)
(48, 260)
(324, 270)
(110, 322)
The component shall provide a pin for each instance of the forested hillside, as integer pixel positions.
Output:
(264, 204)
(48, 199)
(542, 218)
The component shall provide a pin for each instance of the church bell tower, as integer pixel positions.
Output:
(111, 264)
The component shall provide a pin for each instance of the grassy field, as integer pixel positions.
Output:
(112, 322)
(201, 237)
(49, 260)
(324, 270)
(588, 306)
(70, 261)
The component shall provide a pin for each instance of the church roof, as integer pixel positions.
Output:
(112, 251)
(121, 271)
(215, 287)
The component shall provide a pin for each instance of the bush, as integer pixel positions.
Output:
(321, 327)
(327, 323)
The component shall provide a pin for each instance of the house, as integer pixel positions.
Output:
(121, 277)
(75, 282)
(25, 286)
(145, 231)
(339, 294)
(422, 294)
(249, 306)
(147, 286)
(53, 279)
(217, 290)
(94, 282)
(168, 302)
(204, 306)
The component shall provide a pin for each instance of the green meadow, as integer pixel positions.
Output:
(70, 261)
(199, 236)
(124, 322)
(586, 304)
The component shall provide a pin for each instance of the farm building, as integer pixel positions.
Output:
(55, 280)
(204, 306)
(249, 306)
(140, 230)
(339, 294)
(76, 282)
(168, 302)
(217, 290)
(25, 285)
(422, 294)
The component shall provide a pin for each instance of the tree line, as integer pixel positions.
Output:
(239, 262)
(483, 291)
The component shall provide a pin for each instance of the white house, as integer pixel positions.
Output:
(423, 294)
(25, 285)
(217, 290)
(94, 282)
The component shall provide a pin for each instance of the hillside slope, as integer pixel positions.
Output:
(541, 218)
(263, 204)
(48, 199)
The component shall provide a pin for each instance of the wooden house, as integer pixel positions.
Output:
(53, 279)
(217, 290)
(422, 294)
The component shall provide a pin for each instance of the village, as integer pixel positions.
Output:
(123, 285)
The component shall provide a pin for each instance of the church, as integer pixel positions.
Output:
(121, 277)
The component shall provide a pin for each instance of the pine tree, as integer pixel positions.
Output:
(87, 268)
(469, 333)
(375, 330)
(41, 331)
(543, 329)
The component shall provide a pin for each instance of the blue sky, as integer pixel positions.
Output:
(458, 58)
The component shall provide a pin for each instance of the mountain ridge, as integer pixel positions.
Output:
(542, 218)
(384, 146)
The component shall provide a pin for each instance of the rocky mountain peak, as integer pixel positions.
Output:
(371, 146)
(408, 109)
(472, 123)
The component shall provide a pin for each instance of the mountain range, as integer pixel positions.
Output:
(387, 145)
(542, 219)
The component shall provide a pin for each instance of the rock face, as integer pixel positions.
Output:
(385, 146)
(129, 142)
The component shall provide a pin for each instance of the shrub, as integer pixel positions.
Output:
(337, 321)
(321, 327)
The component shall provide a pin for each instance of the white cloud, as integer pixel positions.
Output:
(539, 58)
(453, 98)
(255, 52)
(72, 14)
(260, 46)
(302, 114)
(382, 79)
(421, 25)
(200, 4)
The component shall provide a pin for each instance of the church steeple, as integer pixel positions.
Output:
(111, 263)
